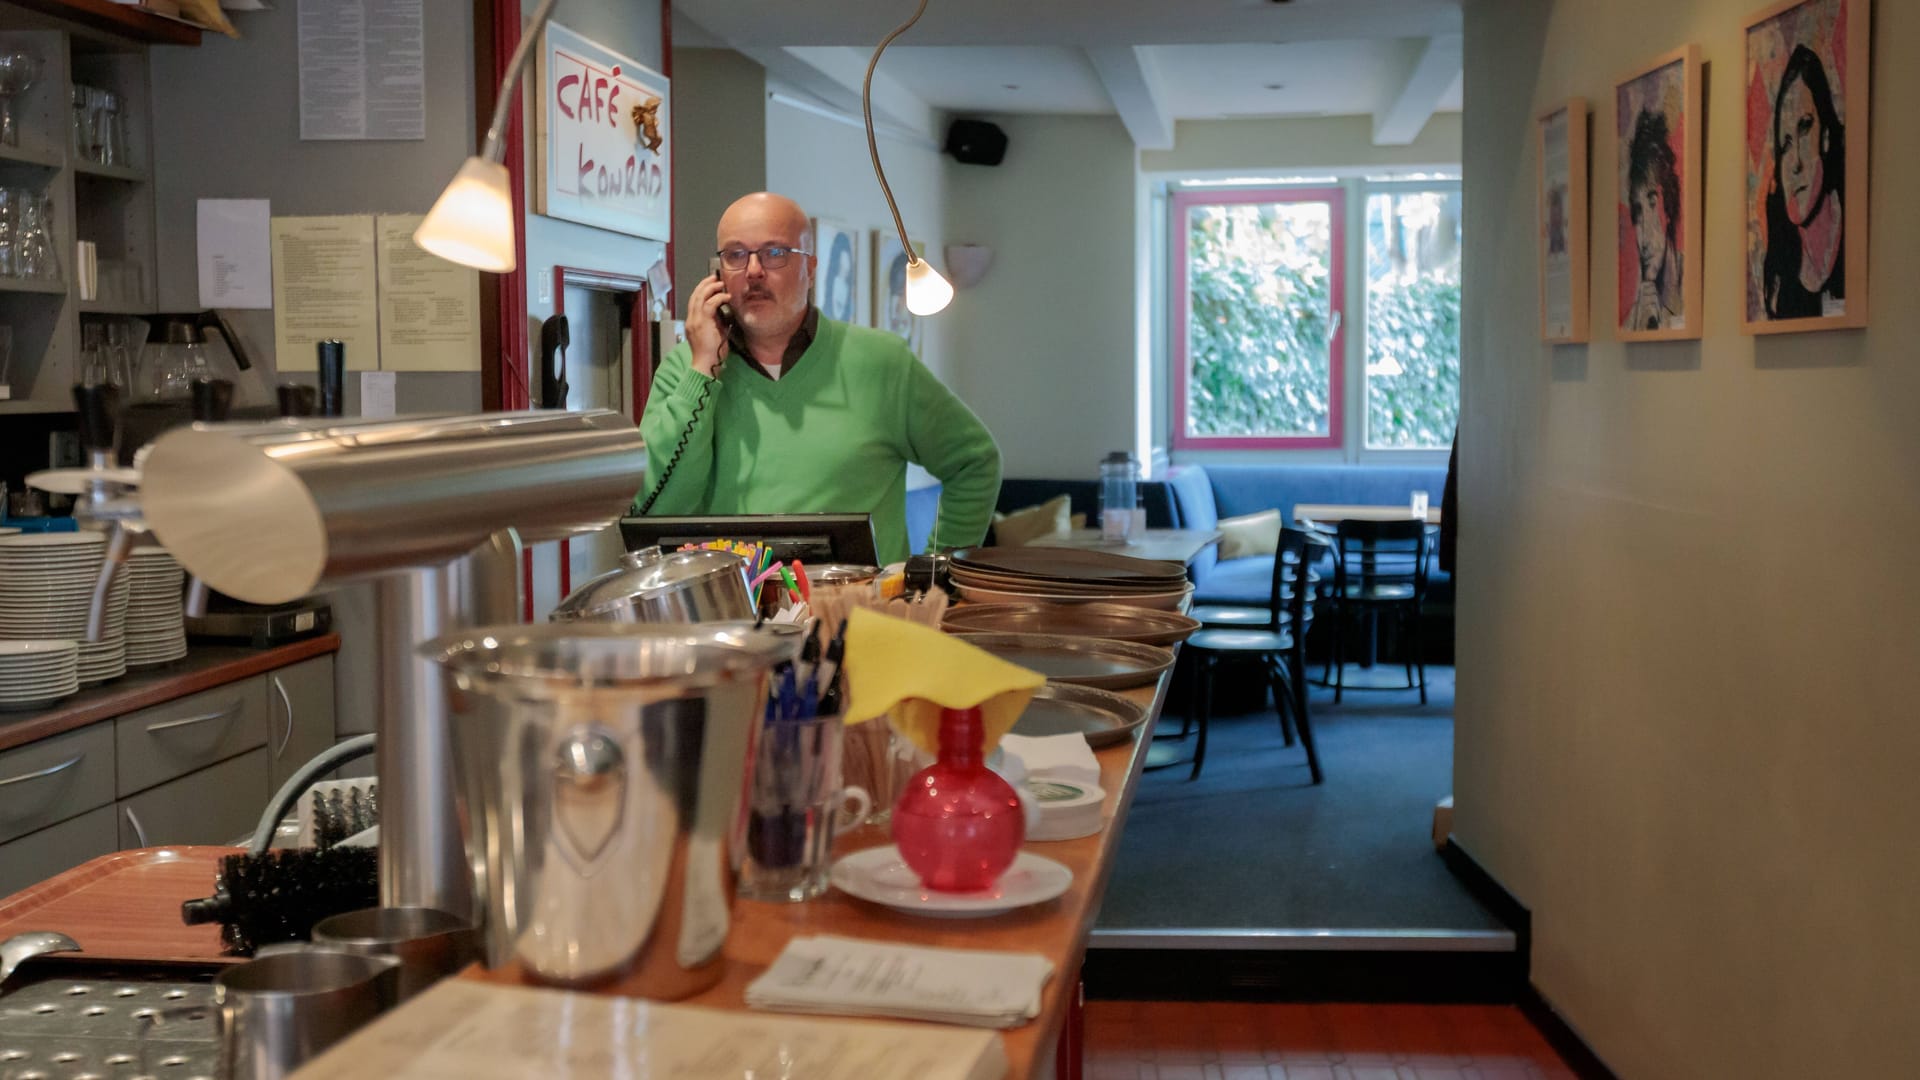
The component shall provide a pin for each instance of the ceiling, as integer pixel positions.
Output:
(1150, 61)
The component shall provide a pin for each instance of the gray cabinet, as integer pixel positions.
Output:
(54, 779)
(38, 856)
(213, 806)
(155, 745)
(300, 716)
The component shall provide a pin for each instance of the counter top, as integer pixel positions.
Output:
(205, 666)
(1057, 930)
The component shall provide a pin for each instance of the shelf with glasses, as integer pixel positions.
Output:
(110, 172)
(26, 155)
(33, 286)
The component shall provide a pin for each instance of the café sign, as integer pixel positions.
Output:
(603, 138)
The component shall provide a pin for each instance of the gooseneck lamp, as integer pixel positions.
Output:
(927, 291)
(471, 223)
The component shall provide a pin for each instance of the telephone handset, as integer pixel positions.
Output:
(726, 310)
(726, 317)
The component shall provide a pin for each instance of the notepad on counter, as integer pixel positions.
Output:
(853, 977)
(466, 1030)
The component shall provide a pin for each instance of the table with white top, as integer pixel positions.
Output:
(1331, 514)
(1165, 545)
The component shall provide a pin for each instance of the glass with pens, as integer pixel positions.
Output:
(797, 799)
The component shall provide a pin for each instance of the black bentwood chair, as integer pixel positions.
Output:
(1279, 647)
(1380, 567)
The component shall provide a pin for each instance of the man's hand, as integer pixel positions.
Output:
(705, 334)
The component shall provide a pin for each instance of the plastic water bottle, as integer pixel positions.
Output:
(1118, 496)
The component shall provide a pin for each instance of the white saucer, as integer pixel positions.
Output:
(881, 876)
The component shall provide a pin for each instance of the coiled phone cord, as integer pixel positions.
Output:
(686, 435)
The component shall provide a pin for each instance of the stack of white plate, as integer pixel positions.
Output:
(156, 618)
(46, 583)
(35, 674)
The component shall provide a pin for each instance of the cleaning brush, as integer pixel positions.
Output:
(278, 895)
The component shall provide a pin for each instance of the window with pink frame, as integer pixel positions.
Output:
(1259, 302)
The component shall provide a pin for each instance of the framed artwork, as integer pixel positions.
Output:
(1564, 310)
(1806, 167)
(603, 139)
(890, 287)
(1657, 129)
(839, 278)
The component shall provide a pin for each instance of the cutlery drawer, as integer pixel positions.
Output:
(155, 745)
(54, 779)
(213, 806)
(36, 857)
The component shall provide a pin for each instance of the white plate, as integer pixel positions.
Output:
(52, 540)
(57, 647)
(80, 481)
(881, 876)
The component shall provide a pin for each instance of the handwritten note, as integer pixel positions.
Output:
(852, 977)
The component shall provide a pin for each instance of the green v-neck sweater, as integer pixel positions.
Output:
(833, 434)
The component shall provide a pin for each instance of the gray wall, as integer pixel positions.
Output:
(1685, 732)
(720, 99)
(227, 125)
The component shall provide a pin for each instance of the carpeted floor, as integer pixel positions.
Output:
(1253, 844)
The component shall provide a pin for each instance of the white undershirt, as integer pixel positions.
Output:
(773, 371)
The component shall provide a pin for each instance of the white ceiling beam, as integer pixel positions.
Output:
(1133, 83)
(846, 68)
(1428, 79)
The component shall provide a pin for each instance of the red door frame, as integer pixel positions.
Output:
(1336, 198)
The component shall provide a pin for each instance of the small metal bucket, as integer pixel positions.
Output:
(603, 773)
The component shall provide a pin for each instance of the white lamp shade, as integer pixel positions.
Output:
(927, 291)
(472, 221)
(968, 263)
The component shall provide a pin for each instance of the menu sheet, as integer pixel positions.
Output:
(363, 69)
(853, 977)
(323, 287)
(429, 307)
(468, 1030)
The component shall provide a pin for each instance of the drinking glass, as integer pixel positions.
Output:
(34, 256)
(797, 804)
(9, 232)
(1418, 505)
(18, 70)
(82, 141)
(6, 359)
(113, 140)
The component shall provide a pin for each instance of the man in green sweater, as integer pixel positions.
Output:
(789, 412)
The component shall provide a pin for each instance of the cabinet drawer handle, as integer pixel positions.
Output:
(168, 725)
(139, 833)
(46, 772)
(286, 703)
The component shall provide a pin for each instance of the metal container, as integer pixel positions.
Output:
(429, 944)
(842, 574)
(602, 777)
(650, 586)
(279, 1012)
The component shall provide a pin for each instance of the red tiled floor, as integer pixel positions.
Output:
(1181, 1040)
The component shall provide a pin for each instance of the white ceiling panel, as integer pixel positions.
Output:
(1330, 78)
(1015, 79)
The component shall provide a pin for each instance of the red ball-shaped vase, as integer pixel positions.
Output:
(958, 823)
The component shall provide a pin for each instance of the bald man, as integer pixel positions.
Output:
(789, 412)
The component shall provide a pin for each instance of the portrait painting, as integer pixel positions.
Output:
(838, 279)
(1805, 163)
(1657, 129)
(890, 287)
(1563, 223)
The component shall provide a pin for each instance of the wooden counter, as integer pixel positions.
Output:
(205, 666)
(1057, 930)
(143, 910)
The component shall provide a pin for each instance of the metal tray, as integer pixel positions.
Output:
(1103, 717)
(1085, 661)
(1072, 564)
(1114, 622)
(1173, 600)
(75, 1016)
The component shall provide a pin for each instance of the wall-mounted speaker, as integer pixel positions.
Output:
(976, 142)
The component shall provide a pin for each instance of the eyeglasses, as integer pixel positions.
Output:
(772, 257)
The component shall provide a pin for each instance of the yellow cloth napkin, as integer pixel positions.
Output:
(911, 672)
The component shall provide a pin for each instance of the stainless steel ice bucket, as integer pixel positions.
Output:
(602, 771)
